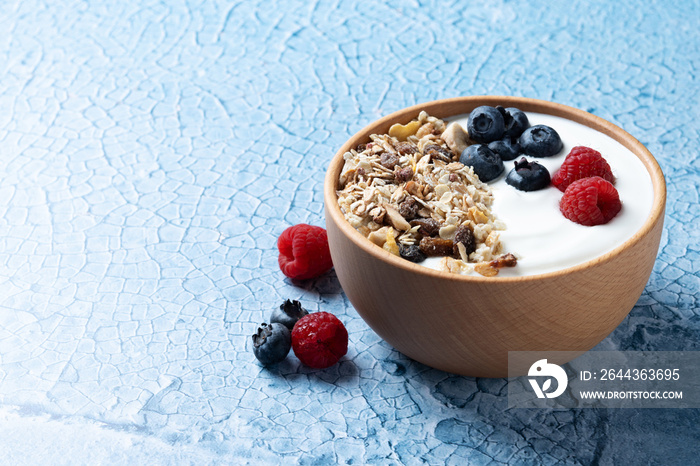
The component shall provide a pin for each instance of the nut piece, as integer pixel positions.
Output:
(438, 153)
(449, 264)
(461, 252)
(377, 214)
(378, 237)
(455, 137)
(402, 132)
(417, 189)
(396, 219)
(432, 247)
(485, 269)
(426, 129)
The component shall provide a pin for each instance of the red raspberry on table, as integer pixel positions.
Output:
(319, 340)
(590, 201)
(304, 252)
(582, 162)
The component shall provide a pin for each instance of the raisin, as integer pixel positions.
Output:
(406, 148)
(411, 252)
(464, 235)
(432, 247)
(454, 177)
(506, 260)
(438, 153)
(409, 208)
(361, 148)
(403, 175)
(428, 226)
(388, 160)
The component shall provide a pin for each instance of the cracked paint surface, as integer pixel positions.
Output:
(153, 151)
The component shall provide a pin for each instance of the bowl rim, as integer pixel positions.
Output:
(527, 104)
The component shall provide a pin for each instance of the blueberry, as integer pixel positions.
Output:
(485, 124)
(528, 176)
(271, 343)
(288, 314)
(486, 164)
(515, 121)
(506, 148)
(540, 141)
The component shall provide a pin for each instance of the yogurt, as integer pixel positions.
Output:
(537, 232)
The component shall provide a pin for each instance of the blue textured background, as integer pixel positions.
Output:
(151, 153)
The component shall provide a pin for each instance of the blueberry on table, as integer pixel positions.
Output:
(288, 314)
(515, 121)
(486, 164)
(506, 148)
(485, 124)
(540, 141)
(528, 176)
(272, 343)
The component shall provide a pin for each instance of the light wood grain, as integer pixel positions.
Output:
(467, 325)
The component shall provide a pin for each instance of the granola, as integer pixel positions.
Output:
(407, 188)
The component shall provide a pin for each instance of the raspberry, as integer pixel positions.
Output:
(582, 162)
(590, 201)
(304, 252)
(319, 340)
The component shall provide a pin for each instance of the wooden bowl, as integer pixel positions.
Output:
(468, 324)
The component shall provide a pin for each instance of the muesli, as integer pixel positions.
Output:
(407, 193)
